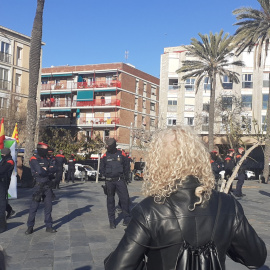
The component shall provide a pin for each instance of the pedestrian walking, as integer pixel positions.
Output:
(41, 168)
(60, 160)
(184, 223)
(6, 168)
(71, 169)
(241, 173)
(114, 168)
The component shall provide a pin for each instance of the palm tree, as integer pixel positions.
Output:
(213, 56)
(34, 75)
(254, 33)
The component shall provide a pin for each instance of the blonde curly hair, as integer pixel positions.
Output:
(173, 154)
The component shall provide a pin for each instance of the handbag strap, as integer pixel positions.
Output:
(216, 219)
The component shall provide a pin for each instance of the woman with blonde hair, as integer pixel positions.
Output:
(183, 211)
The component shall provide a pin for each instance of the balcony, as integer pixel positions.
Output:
(67, 103)
(5, 57)
(227, 85)
(79, 85)
(98, 121)
(5, 85)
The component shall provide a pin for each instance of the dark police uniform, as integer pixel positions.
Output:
(42, 189)
(216, 165)
(115, 169)
(71, 168)
(241, 176)
(6, 168)
(60, 160)
(229, 165)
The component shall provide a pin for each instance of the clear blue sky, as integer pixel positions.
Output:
(91, 32)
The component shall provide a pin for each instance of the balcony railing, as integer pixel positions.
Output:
(227, 85)
(98, 121)
(5, 57)
(5, 85)
(74, 103)
(79, 85)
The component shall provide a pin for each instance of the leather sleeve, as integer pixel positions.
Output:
(130, 252)
(246, 247)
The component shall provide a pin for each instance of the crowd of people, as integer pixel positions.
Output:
(228, 165)
(183, 223)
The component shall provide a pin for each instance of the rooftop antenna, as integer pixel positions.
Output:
(126, 55)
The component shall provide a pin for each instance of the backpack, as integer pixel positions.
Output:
(192, 258)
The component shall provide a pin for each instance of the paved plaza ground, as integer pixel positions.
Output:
(84, 238)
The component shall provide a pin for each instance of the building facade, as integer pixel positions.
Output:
(14, 79)
(113, 100)
(180, 103)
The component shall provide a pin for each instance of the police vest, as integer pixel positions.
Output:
(114, 164)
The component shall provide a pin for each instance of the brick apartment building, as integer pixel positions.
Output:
(112, 99)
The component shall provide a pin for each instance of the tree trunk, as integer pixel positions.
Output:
(212, 114)
(236, 169)
(34, 76)
(267, 141)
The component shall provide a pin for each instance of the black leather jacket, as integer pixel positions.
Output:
(156, 225)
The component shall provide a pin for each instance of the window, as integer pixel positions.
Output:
(152, 122)
(205, 120)
(247, 81)
(173, 84)
(189, 121)
(144, 104)
(171, 122)
(224, 119)
(152, 106)
(226, 103)
(172, 102)
(206, 107)
(247, 101)
(18, 83)
(207, 84)
(19, 56)
(265, 79)
(264, 126)
(227, 82)
(3, 103)
(137, 86)
(4, 54)
(106, 134)
(4, 83)
(153, 91)
(265, 101)
(144, 87)
(205, 123)
(189, 84)
(108, 80)
(143, 121)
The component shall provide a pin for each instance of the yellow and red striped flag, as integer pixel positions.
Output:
(15, 133)
(2, 134)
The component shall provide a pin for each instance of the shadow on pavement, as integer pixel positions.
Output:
(84, 268)
(12, 225)
(75, 213)
(265, 267)
(264, 193)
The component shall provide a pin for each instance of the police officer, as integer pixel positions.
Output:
(53, 162)
(229, 164)
(71, 168)
(41, 169)
(216, 165)
(60, 160)
(241, 173)
(6, 168)
(115, 169)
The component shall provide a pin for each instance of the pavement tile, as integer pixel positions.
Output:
(84, 238)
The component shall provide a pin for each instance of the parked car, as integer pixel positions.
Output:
(250, 175)
(83, 172)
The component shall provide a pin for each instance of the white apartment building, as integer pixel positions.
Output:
(181, 104)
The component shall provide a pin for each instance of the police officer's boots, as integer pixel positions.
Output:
(29, 230)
